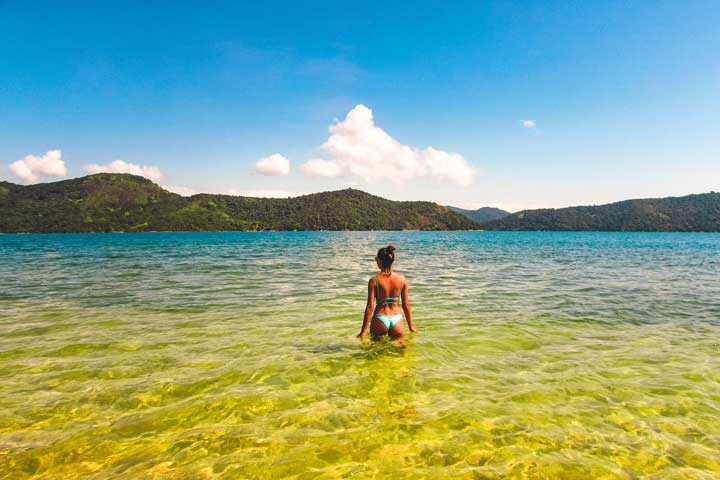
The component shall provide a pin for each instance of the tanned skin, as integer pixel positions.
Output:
(391, 284)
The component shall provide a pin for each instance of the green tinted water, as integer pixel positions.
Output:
(233, 356)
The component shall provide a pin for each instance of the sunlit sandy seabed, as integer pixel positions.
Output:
(233, 355)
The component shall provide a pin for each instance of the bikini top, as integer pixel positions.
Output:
(386, 300)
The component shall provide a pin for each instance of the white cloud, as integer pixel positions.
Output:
(317, 167)
(184, 191)
(273, 165)
(528, 123)
(450, 166)
(120, 166)
(359, 148)
(31, 168)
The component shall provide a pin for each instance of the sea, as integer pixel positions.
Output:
(229, 355)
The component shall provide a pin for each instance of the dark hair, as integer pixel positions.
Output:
(386, 256)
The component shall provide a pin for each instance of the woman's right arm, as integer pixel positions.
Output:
(406, 307)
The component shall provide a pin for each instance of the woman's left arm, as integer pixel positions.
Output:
(368, 308)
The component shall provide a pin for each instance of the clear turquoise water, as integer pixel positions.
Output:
(233, 355)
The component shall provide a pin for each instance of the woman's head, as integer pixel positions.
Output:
(386, 257)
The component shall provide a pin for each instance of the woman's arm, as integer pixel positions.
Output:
(368, 308)
(406, 307)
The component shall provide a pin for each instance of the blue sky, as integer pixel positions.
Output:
(624, 96)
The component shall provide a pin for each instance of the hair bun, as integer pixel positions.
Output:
(390, 248)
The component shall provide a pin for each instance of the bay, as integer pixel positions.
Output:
(233, 355)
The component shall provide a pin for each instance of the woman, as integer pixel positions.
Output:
(385, 291)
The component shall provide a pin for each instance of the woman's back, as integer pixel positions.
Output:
(388, 291)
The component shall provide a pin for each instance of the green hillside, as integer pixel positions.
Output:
(128, 203)
(484, 214)
(691, 213)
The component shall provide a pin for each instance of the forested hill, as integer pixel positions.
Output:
(484, 214)
(127, 203)
(691, 213)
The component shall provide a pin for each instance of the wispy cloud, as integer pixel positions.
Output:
(32, 168)
(336, 70)
(263, 193)
(273, 165)
(241, 192)
(184, 191)
(358, 148)
(528, 123)
(507, 206)
(317, 167)
(120, 166)
(270, 66)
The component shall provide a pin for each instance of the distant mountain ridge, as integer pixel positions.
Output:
(690, 213)
(483, 214)
(108, 202)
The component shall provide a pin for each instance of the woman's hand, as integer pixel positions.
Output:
(413, 329)
(361, 335)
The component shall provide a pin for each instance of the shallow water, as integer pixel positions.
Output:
(233, 355)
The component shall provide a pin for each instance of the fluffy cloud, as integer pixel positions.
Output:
(273, 165)
(449, 166)
(359, 148)
(31, 168)
(119, 166)
(528, 123)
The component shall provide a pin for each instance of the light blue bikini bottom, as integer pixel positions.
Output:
(389, 320)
